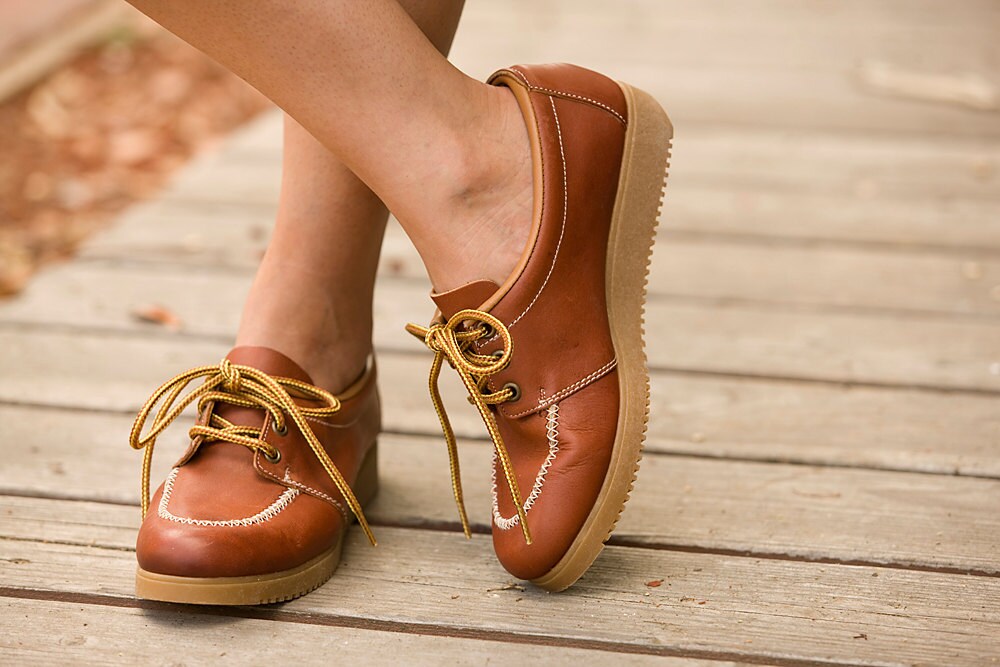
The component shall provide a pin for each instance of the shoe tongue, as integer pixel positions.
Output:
(264, 359)
(269, 361)
(470, 295)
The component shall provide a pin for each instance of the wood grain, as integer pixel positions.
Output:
(813, 513)
(84, 629)
(707, 606)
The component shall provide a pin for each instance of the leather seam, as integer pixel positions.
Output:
(552, 435)
(300, 486)
(562, 229)
(266, 514)
(566, 391)
(567, 95)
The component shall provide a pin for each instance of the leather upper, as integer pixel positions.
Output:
(229, 511)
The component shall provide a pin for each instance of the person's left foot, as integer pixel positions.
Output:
(277, 469)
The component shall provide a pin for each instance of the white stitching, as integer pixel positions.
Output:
(520, 75)
(552, 435)
(268, 513)
(562, 393)
(305, 487)
(562, 230)
(563, 93)
(319, 493)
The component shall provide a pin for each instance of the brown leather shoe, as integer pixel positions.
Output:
(256, 509)
(554, 357)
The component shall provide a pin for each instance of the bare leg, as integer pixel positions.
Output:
(312, 297)
(448, 155)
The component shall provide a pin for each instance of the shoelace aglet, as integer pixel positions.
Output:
(465, 520)
(525, 531)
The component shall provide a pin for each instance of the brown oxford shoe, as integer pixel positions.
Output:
(277, 469)
(554, 357)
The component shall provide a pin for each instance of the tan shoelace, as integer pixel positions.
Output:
(246, 387)
(452, 340)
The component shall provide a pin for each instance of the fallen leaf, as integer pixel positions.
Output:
(155, 314)
(654, 583)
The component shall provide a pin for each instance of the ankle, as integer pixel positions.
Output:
(487, 216)
(329, 337)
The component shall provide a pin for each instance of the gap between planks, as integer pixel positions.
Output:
(691, 413)
(796, 611)
(913, 521)
(90, 627)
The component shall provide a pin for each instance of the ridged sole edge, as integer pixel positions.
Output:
(641, 185)
(248, 590)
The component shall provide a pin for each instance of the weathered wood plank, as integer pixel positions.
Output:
(758, 215)
(908, 520)
(730, 338)
(818, 424)
(703, 416)
(84, 631)
(704, 269)
(707, 605)
(827, 278)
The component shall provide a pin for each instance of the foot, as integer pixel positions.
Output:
(553, 357)
(277, 469)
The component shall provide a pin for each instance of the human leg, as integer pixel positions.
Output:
(446, 153)
(312, 297)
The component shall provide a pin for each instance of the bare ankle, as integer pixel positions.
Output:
(484, 232)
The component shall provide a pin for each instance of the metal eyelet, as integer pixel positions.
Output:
(487, 331)
(514, 388)
(283, 431)
(497, 354)
(275, 458)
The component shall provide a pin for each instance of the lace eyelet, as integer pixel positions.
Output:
(283, 431)
(487, 331)
(515, 389)
(275, 458)
(497, 354)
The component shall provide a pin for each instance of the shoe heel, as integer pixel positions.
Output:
(366, 483)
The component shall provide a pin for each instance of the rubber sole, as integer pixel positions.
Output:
(641, 184)
(263, 588)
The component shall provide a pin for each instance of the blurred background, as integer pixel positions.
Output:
(97, 107)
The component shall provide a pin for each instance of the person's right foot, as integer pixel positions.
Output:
(256, 509)
(553, 356)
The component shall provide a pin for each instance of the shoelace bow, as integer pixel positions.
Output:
(246, 387)
(452, 341)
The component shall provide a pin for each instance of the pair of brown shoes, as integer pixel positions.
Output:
(256, 509)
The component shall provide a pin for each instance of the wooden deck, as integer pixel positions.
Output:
(822, 478)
